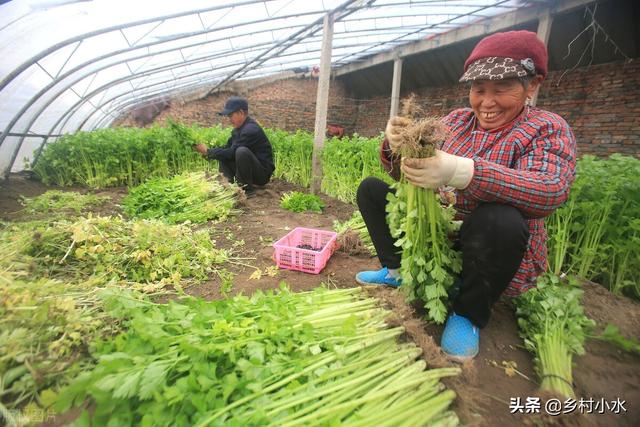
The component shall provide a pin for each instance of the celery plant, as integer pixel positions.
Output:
(554, 327)
(421, 226)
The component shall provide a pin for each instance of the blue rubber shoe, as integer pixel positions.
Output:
(461, 339)
(380, 277)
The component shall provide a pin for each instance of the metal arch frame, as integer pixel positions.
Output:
(125, 79)
(200, 59)
(339, 12)
(34, 59)
(80, 103)
(160, 94)
(287, 43)
(341, 60)
(147, 45)
(95, 71)
(277, 49)
(54, 82)
(443, 3)
(177, 48)
(290, 39)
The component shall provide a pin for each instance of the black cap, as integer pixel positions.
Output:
(234, 104)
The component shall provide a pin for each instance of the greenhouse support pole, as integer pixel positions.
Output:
(544, 29)
(395, 87)
(322, 102)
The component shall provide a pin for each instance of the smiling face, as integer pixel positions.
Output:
(497, 102)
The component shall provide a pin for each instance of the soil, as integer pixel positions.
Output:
(484, 388)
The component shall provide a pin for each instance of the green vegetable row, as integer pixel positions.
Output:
(595, 235)
(129, 156)
(354, 228)
(122, 156)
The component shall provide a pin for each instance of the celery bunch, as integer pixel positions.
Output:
(193, 197)
(357, 226)
(324, 357)
(554, 327)
(421, 226)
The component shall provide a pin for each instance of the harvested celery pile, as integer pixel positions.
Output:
(324, 357)
(104, 249)
(193, 197)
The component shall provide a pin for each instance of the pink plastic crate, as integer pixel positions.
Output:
(288, 255)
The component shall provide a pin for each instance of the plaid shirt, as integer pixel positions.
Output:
(528, 163)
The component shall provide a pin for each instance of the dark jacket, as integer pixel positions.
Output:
(249, 135)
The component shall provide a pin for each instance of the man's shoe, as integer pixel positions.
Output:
(380, 277)
(460, 339)
(249, 193)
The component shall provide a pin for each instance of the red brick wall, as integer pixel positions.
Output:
(286, 104)
(201, 112)
(601, 103)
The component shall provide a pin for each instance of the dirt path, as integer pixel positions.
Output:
(485, 390)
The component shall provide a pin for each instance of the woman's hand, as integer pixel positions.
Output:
(395, 126)
(439, 170)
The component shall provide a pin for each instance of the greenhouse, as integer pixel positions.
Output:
(326, 212)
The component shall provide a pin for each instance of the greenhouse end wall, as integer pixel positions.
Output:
(601, 103)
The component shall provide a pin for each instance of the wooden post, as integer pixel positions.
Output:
(395, 87)
(544, 29)
(322, 102)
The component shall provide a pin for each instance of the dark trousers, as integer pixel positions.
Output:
(245, 169)
(493, 239)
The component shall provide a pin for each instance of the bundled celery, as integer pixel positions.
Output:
(182, 134)
(324, 357)
(421, 225)
(193, 197)
(353, 235)
(554, 327)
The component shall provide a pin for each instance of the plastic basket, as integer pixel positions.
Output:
(290, 256)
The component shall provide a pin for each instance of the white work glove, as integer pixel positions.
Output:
(441, 169)
(395, 125)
